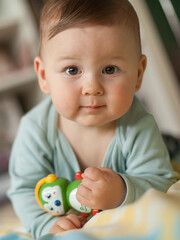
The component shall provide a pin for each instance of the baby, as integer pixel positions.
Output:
(91, 65)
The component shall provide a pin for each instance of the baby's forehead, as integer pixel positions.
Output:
(106, 40)
(83, 32)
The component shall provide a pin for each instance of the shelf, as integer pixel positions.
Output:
(17, 78)
(8, 30)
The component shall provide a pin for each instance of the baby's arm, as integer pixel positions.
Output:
(101, 188)
(68, 222)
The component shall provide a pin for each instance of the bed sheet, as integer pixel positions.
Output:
(155, 216)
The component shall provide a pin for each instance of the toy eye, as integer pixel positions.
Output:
(48, 195)
(57, 203)
(50, 208)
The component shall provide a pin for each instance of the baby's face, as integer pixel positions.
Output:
(91, 73)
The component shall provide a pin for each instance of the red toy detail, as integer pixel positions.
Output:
(84, 214)
(78, 176)
(95, 211)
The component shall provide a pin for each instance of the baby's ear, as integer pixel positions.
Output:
(40, 70)
(141, 69)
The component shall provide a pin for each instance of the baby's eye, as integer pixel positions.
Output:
(110, 70)
(72, 71)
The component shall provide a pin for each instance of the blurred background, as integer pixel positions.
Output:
(19, 91)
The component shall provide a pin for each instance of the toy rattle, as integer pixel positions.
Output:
(57, 195)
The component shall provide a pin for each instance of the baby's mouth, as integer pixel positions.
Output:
(92, 107)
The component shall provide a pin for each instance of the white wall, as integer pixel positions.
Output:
(160, 88)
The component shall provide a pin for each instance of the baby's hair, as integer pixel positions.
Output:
(59, 15)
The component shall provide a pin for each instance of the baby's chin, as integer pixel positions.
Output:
(91, 123)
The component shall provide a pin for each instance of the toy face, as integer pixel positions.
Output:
(52, 196)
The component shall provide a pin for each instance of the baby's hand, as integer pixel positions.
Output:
(101, 188)
(68, 222)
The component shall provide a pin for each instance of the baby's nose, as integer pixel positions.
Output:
(92, 87)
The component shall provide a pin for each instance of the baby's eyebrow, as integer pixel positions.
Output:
(72, 57)
(118, 57)
(78, 58)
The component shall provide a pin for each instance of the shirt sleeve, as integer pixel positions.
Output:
(31, 160)
(147, 163)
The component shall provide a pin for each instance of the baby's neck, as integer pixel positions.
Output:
(88, 143)
(69, 127)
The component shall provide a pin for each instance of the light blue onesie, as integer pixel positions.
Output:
(136, 152)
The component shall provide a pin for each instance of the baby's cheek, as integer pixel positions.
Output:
(121, 100)
(64, 102)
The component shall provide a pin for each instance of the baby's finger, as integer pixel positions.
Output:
(93, 173)
(88, 183)
(65, 224)
(84, 191)
(75, 220)
(56, 229)
(83, 220)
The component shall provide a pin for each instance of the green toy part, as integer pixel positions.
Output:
(57, 195)
(53, 196)
(72, 200)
